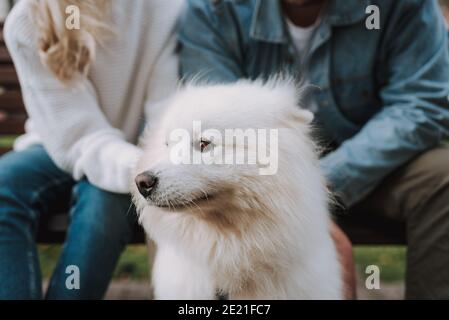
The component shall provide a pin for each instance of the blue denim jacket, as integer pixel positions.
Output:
(383, 94)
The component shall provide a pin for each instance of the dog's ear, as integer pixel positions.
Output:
(301, 115)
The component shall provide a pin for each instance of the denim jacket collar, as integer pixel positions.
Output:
(268, 23)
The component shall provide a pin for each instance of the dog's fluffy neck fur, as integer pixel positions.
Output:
(228, 239)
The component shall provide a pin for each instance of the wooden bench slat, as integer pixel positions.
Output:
(4, 150)
(368, 229)
(11, 100)
(5, 58)
(11, 124)
(8, 76)
(2, 39)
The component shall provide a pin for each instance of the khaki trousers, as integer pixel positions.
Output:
(417, 194)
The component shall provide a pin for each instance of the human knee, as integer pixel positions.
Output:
(433, 166)
(106, 212)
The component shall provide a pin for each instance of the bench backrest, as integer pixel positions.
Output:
(12, 110)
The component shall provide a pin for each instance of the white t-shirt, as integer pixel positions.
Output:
(301, 37)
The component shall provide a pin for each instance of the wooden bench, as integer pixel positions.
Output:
(361, 229)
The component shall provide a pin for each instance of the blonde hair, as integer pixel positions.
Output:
(70, 52)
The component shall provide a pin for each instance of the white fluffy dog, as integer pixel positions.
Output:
(227, 229)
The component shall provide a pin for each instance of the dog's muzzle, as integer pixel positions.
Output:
(146, 182)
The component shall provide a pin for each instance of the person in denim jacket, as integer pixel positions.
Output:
(381, 107)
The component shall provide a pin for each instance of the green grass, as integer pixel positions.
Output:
(48, 255)
(6, 141)
(389, 259)
(133, 263)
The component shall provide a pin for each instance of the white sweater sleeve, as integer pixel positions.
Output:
(74, 130)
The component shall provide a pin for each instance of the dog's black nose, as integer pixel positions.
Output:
(146, 182)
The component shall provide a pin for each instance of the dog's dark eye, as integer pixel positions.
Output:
(204, 144)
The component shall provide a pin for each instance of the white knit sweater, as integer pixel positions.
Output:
(91, 129)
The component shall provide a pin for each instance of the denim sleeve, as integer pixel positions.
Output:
(414, 115)
(206, 51)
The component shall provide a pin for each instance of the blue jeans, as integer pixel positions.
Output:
(31, 186)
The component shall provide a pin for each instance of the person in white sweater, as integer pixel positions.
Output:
(88, 93)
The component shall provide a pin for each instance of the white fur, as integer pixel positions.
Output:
(258, 237)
